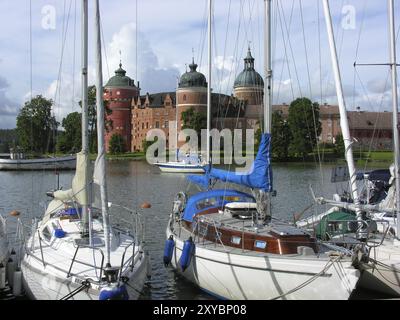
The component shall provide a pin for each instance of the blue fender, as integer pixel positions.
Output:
(187, 253)
(168, 250)
(114, 293)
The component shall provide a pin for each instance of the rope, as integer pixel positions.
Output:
(307, 282)
(85, 285)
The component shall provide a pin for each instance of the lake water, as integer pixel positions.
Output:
(133, 182)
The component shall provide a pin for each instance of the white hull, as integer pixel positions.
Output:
(230, 275)
(178, 167)
(42, 283)
(54, 267)
(61, 163)
(382, 273)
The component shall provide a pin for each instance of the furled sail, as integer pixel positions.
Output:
(77, 192)
(258, 177)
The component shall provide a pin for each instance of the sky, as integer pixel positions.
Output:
(156, 40)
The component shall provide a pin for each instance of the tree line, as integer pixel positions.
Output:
(37, 129)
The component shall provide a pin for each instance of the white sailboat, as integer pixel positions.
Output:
(74, 252)
(189, 163)
(380, 261)
(382, 268)
(227, 243)
(49, 163)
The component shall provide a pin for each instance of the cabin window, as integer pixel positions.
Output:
(46, 233)
(206, 203)
(236, 240)
(260, 244)
(203, 229)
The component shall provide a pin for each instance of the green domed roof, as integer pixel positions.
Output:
(192, 78)
(249, 77)
(120, 79)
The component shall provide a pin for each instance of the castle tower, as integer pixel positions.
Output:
(119, 92)
(249, 86)
(191, 93)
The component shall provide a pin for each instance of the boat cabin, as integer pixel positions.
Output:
(230, 218)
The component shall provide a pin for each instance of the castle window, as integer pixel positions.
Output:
(142, 125)
(166, 123)
(147, 125)
(157, 124)
(184, 97)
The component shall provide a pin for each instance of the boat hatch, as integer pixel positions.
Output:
(284, 230)
(242, 210)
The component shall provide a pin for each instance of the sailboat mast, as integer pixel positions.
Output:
(85, 121)
(268, 69)
(343, 118)
(100, 166)
(393, 66)
(209, 82)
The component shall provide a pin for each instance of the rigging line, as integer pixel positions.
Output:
(31, 93)
(356, 53)
(202, 36)
(291, 49)
(336, 35)
(224, 52)
(136, 39)
(309, 83)
(59, 78)
(73, 60)
(298, 80)
(320, 68)
(63, 43)
(236, 47)
(305, 47)
(285, 51)
(285, 61)
(104, 48)
(370, 104)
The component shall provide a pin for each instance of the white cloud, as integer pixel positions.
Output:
(8, 108)
(152, 77)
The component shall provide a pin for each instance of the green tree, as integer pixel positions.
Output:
(70, 141)
(194, 120)
(36, 127)
(116, 144)
(339, 145)
(304, 132)
(281, 137)
(92, 118)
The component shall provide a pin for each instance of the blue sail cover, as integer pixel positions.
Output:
(259, 176)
